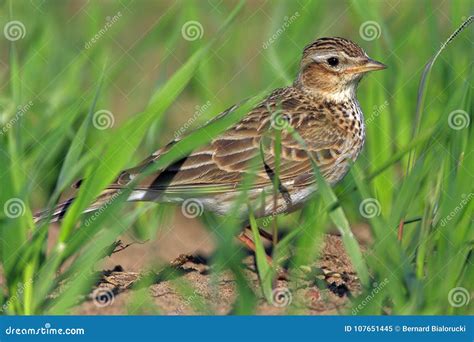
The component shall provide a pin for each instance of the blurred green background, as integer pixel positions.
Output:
(62, 62)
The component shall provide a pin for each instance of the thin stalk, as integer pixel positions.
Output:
(423, 82)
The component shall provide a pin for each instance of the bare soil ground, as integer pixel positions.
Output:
(183, 250)
(326, 291)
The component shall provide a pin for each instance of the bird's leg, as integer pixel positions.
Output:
(248, 242)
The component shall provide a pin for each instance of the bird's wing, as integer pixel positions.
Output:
(221, 165)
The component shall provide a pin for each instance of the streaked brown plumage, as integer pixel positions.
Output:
(321, 106)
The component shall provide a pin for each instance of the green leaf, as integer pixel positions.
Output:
(264, 269)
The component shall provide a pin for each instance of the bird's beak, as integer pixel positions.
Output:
(368, 65)
(371, 64)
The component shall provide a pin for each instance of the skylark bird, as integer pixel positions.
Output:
(321, 106)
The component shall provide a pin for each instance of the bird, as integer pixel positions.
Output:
(321, 106)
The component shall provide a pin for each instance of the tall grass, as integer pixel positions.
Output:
(144, 71)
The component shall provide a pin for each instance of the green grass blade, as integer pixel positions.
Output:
(264, 269)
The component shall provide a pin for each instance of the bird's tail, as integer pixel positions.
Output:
(58, 212)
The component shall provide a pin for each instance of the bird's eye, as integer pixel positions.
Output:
(333, 61)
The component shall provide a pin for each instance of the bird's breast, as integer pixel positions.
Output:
(352, 124)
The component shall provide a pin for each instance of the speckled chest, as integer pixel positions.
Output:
(349, 118)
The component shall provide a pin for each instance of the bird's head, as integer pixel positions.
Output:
(332, 68)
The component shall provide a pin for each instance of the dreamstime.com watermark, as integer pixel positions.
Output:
(199, 110)
(369, 208)
(279, 120)
(370, 30)
(103, 296)
(376, 288)
(46, 330)
(458, 119)
(268, 219)
(287, 21)
(192, 208)
(103, 119)
(99, 211)
(21, 287)
(459, 296)
(20, 111)
(192, 30)
(189, 300)
(109, 22)
(376, 112)
(281, 297)
(465, 200)
(14, 30)
(14, 208)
